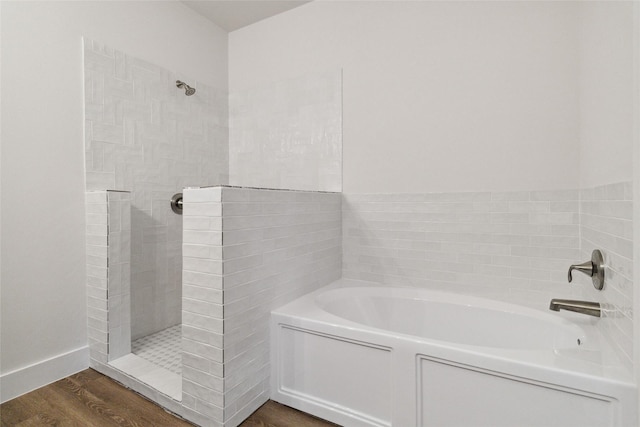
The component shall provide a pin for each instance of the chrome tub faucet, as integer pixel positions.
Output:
(583, 307)
(593, 268)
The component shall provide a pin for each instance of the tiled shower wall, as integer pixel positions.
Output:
(606, 223)
(142, 134)
(246, 251)
(502, 244)
(514, 246)
(288, 135)
(108, 263)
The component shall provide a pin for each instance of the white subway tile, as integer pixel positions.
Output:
(511, 196)
(202, 293)
(203, 379)
(202, 307)
(556, 195)
(205, 280)
(203, 209)
(529, 207)
(96, 197)
(202, 251)
(200, 265)
(197, 348)
(202, 237)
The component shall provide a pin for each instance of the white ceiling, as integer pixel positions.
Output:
(234, 14)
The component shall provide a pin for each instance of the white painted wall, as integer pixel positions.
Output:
(43, 312)
(438, 96)
(606, 98)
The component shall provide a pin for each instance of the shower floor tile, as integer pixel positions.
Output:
(161, 348)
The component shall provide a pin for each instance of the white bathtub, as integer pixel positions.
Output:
(359, 354)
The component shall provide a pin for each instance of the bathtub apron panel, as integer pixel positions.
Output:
(355, 374)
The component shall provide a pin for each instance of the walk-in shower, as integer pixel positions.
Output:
(159, 295)
(163, 348)
(155, 144)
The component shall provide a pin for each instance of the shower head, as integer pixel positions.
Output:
(188, 90)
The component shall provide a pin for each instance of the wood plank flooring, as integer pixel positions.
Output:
(90, 399)
(273, 414)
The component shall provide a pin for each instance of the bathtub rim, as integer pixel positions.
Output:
(597, 361)
(326, 301)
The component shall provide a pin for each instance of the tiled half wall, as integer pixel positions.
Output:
(108, 215)
(246, 252)
(143, 135)
(514, 246)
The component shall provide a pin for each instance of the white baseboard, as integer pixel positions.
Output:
(29, 378)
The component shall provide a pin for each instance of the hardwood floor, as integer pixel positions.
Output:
(90, 399)
(85, 399)
(273, 414)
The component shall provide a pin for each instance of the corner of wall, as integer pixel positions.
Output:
(636, 188)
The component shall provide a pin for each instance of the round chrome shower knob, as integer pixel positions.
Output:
(176, 203)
